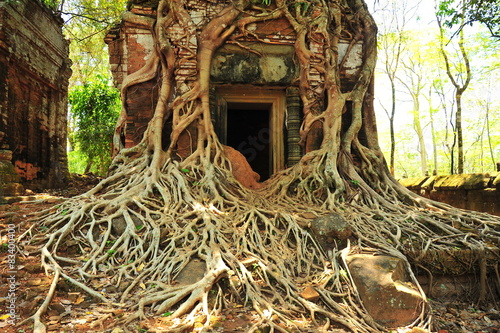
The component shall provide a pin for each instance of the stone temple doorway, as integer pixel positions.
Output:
(251, 120)
(248, 131)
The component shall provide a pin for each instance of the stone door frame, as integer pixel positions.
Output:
(275, 97)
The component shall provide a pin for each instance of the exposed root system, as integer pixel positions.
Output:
(157, 211)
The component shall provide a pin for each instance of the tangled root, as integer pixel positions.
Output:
(140, 228)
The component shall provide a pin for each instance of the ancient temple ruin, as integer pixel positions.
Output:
(255, 102)
(34, 74)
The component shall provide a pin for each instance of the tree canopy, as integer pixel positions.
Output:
(459, 13)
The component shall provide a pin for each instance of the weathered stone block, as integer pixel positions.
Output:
(462, 181)
(384, 290)
(413, 183)
(8, 173)
(496, 181)
(449, 286)
(5, 155)
(476, 181)
(330, 230)
(12, 189)
(429, 183)
(274, 66)
(193, 272)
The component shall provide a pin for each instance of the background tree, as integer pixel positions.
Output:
(95, 107)
(483, 146)
(255, 243)
(413, 78)
(457, 14)
(482, 124)
(85, 25)
(392, 43)
(460, 76)
(432, 123)
(483, 55)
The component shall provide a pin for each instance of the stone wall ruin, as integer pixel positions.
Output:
(34, 74)
(479, 191)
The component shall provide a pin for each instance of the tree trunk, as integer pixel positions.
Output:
(490, 145)
(391, 125)
(433, 132)
(458, 129)
(460, 87)
(420, 134)
(88, 166)
(434, 143)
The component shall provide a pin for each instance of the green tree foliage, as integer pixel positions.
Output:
(459, 13)
(52, 4)
(86, 24)
(392, 43)
(95, 107)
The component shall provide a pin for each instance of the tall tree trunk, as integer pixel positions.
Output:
(434, 145)
(417, 125)
(433, 133)
(460, 85)
(88, 166)
(458, 129)
(490, 144)
(392, 47)
(391, 126)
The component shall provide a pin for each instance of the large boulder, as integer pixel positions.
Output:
(384, 289)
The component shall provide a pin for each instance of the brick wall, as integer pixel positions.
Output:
(34, 73)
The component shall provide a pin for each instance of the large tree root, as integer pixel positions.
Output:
(141, 228)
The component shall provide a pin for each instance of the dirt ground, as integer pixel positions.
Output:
(24, 285)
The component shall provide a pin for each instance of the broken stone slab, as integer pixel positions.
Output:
(331, 230)
(193, 272)
(384, 289)
(310, 294)
(241, 169)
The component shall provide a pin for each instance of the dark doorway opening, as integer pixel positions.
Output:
(248, 131)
